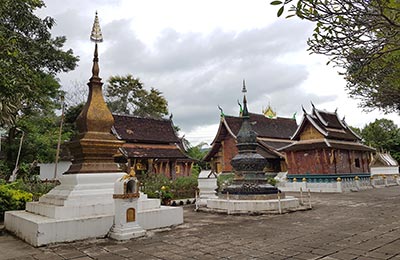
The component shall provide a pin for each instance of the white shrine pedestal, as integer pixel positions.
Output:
(82, 207)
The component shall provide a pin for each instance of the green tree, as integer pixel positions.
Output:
(383, 134)
(362, 37)
(127, 95)
(29, 57)
(40, 139)
(197, 152)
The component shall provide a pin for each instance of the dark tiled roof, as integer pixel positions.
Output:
(140, 129)
(328, 124)
(330, 119)
(265, 127)
(318, 143)
(154, 152)
(274, 144)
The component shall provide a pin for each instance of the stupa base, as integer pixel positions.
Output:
(248, 206)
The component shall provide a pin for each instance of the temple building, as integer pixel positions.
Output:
(272, 133)
(384, 164)
(325, 146)
(152, 145)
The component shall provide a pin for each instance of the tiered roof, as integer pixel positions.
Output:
(148, 138)
(272, 133)
(334, 131)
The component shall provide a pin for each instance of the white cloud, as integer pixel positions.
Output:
(198, 52)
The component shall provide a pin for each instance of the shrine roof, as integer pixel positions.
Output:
(383, 159)
(141, 129)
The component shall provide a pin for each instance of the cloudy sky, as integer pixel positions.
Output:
(198, 52)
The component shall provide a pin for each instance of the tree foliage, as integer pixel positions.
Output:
(127, 95)
(362, 37)
(383, 134)
(29, 59)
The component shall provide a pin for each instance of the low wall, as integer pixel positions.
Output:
(336, 183)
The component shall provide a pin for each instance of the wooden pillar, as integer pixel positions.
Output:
(173, 172)
(350, 160)
(150, 168)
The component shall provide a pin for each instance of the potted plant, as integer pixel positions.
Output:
(165, 196)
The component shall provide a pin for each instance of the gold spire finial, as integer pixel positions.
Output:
(94, 147)
(96, 35)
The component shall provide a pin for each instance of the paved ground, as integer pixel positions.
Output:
(357, 225)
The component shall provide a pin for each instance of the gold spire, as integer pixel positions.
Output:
(96, 35)
(94, 146)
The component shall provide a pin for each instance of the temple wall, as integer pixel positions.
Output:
(327, 161)
(229, 151)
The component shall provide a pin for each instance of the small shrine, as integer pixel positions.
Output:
(126, 195)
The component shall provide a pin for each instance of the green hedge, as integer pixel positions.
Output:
(12, 198)
(180, 188)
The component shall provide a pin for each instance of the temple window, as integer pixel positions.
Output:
(357, 163)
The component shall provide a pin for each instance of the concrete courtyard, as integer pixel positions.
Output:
(356, 225)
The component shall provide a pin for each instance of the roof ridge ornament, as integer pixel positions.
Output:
(304, 110)
(96, 35)
(244, 91)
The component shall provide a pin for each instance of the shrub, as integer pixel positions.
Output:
(34, 186)
(151, 184)
(181, 188)
(224, 180)
(12, 198)
(272, 181)
(184, 187)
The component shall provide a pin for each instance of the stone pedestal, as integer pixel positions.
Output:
(235, 206)
(207, 187)
(81, 207)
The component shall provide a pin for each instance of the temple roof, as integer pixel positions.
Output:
(325, 143)
(328, 124)
(140, 129)
(154, 151)
(271, 133)
(281, 128)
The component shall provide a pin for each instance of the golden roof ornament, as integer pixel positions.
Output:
(269, 112)
(96, 35)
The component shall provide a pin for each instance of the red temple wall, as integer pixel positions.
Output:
(327, 161)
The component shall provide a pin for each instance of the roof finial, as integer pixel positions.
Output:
(221, 110)
(96, 35)
(302, 107)
(244, 91)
